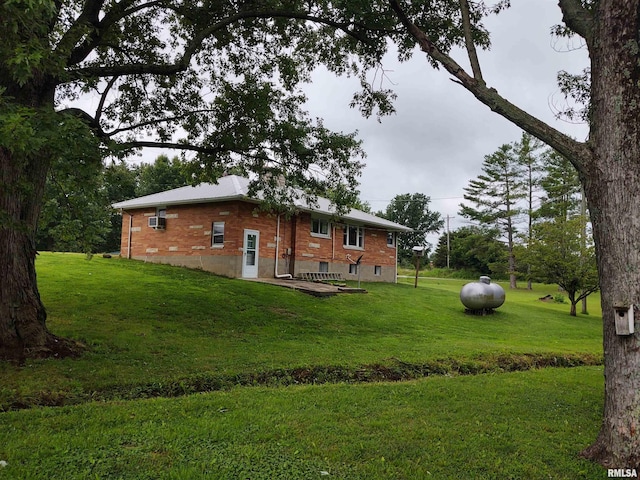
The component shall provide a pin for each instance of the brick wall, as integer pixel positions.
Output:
(186, 241)
(311, 249)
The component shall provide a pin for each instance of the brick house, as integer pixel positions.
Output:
(220, 229)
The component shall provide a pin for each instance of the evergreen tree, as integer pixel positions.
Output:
(496, 194)
(530, 157)
(561, 187)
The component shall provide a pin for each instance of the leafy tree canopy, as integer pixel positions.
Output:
(476, 250)
(412, 210)
(220, 79)
(559, 253)
(163, 174)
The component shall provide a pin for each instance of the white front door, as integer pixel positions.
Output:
(250, 254)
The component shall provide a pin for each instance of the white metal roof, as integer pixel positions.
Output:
(233, 187)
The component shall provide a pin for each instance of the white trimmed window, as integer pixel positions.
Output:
(377, 270)
(353, 236)
(320, 227)
(161, 212)
(217, 234)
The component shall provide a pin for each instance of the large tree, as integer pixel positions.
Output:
(561, 186)
(119, 182)
(76, 212)
(496, 194)
(559, 253)
(529, 157)
(412, 210)
(609, 170)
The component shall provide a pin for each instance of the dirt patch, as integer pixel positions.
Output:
(54, 347)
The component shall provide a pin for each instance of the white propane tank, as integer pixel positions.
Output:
(482, 296)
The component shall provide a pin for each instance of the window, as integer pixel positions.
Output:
(391, 239)
(320, 227)
(159, 221)
(353, 236)
(377, 270)
(323, 267)
(217, 234)
(353, 269)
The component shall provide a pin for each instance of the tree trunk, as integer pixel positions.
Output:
(22, 314)
(612, 183)
(24, 164)
(512, 258)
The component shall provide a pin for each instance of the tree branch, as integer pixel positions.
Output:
(468, 39)
(103, 99)
(89, 120)
(97, 33)
(195, 43)
(156, 121)
(170, 145)
(87, 20)
(576, 152)
(577, 18)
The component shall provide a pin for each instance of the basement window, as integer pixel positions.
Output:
(377, 270)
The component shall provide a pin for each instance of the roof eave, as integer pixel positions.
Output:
(122, 206)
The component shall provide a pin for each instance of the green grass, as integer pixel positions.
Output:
(522, 425)
(149, 323)
(155, 330)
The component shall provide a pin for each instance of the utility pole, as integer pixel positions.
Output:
(448, 242)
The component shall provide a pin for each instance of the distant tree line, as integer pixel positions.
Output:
(77, 214)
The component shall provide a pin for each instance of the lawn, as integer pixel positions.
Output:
(154, 330)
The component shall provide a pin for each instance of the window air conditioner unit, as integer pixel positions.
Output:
(159, 223)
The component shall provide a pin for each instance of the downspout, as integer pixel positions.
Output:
(275, 273)
(333, 241)
(129, 235)
(395, 238)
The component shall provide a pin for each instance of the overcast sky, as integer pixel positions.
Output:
(437, 139)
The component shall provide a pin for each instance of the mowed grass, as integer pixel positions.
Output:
(147, 323)
(519, 425)
(149, 327)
